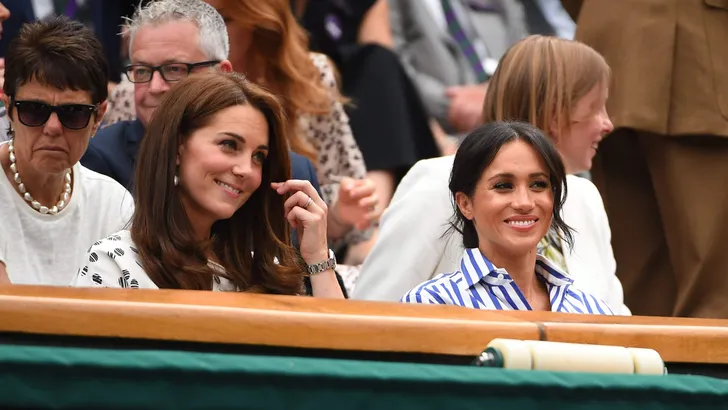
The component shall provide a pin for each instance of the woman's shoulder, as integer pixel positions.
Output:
(116, 244)
(320, 61)
(325, 68)
(583, 199)
(582, 188)
(104, 194)
(112, 262)
(430, 290)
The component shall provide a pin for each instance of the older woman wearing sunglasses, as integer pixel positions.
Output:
(52, 208)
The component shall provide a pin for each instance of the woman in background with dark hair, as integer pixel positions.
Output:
(212, 210)
(508, 185)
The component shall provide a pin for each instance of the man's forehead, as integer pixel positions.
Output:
(167, 42)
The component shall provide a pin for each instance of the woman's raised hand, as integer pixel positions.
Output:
(357, 203)
(307, 213)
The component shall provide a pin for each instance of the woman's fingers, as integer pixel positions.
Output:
(297, 199)
(363, 191)
(369, 202)
(296, 185)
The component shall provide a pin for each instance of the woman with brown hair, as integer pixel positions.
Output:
(213, 210)
(269, 47)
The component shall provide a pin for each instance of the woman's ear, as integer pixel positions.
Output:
(465, 205)
(555, 131)
(179, 154)
(6, 102)
(99, 116)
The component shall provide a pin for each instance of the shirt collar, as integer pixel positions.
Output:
(476, 267)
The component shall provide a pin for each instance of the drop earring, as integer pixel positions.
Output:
(175, 180)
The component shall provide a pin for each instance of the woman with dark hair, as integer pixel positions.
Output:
(51, 207)
(211, 210)
(508, 185)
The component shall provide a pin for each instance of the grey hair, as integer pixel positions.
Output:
(213, 36)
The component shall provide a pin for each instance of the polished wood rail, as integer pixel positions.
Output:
(301, 322)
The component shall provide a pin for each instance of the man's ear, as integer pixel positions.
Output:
(465, 205)
(226, 66)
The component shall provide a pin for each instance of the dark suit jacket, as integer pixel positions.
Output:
(114, 149)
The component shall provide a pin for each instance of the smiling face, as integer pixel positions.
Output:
(221, 165)
(578, 142)
(512, 203)
(51, 148)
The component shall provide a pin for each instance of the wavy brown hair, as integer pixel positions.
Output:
(540, 79)
(279, 50)
(247, 244)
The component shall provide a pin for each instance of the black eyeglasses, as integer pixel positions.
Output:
(71, 116)
(142, 73)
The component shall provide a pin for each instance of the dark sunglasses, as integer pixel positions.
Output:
(71, 116)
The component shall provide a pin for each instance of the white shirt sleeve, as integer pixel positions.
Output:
(112, 263)
(3, 249)
(614, 294)
(411, 244)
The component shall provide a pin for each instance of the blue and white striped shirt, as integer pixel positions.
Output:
(480, 285)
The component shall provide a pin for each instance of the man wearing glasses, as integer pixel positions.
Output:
(168, 40)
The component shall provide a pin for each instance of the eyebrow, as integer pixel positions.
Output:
(58, 103)
(242, 139)
(164, 62)
(508, 175)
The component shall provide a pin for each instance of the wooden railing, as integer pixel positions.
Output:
(300, 322)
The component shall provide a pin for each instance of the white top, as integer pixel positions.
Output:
(113, 262)
(479, 284)
(40, 249)
(411, 248)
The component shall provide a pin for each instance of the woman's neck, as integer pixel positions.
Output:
(202, 230)
(44, 188)
(520, 267)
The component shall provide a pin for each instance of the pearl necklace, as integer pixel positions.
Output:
(65, 196)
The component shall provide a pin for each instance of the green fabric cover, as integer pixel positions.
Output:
(87, 378)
